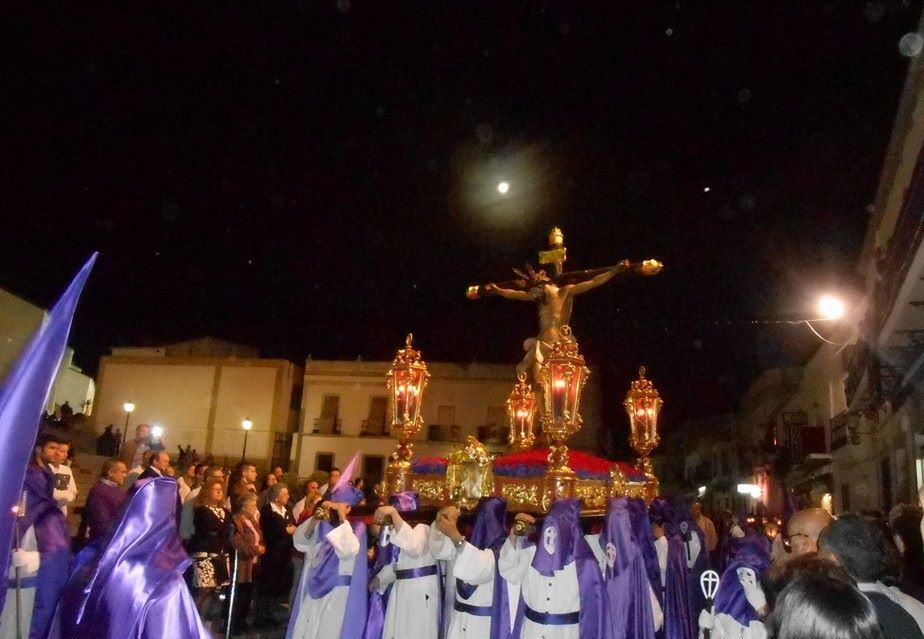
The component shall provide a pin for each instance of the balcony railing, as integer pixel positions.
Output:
(326, 426)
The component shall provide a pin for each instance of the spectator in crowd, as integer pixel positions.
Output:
(269, 481)
(158, 464)
(134, 451)
(279, 472)
(104, 500)
(822, 607)
(274, 580)
(187, 479)
(242, 482)
(332, 478)
(249, 545)
(905, 527)
(189, 506)
(65, 487)
(802, 531)
(209, 544)
(705, 524)
(105, 443)
(305, 506)
(859, 547)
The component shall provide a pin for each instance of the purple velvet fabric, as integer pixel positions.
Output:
(129, 585)
(641, 528)
(678, 619)
(101, 509)
(627, 613)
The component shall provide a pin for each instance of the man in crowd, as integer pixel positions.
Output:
(133, 453)
(104, 499)
(65, 487)
(802, 531)
(41, 557)
(156, 464)
(246, 474)
(305, 506)
(332, 479)
(705, 524)
(859, 547)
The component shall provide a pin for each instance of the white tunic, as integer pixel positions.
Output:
(414, 603)
(473, 566)
(558, 594)
(323, 618)
(26, 595)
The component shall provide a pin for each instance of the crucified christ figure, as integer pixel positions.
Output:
(555, 300)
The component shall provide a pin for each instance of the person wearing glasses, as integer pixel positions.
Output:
(801, 534)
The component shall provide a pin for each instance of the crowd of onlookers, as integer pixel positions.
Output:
(219, 511)
(856, 576)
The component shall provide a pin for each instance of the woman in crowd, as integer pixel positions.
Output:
(209, 544)
(187, 479)
(248, 541)
(823, 607)
(269, 480)
(274, 578)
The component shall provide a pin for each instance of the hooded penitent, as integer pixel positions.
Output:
(730, 598)
(678, 620)
(488, 533)
(325, 575)
(129, 585)
(628, 613)
(561, 542)
(386, 553)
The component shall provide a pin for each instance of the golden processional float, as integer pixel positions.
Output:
(530, 479)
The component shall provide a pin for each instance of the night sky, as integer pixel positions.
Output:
(320, 178)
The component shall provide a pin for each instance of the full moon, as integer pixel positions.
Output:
(503, 187)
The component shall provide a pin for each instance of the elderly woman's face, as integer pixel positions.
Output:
(217, 493)
(250, 507)
(283, 497)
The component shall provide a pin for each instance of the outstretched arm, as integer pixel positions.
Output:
(599, 280)
(509, 293)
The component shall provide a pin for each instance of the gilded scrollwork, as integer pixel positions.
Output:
(469, 473)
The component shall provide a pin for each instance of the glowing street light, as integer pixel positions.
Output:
(246, 425)
(830, 307)
(503, 187)
(129, 408)
(157, 431)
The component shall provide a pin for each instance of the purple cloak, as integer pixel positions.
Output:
(570, 546)
(53, 539)
(678, 620)
(730, 597)
(130, 583)
(489, 533)
(628, 613)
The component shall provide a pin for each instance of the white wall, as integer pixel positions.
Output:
(244, 392)
(18, 321)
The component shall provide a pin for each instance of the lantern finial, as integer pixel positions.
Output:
(643, 404)
(407, 380)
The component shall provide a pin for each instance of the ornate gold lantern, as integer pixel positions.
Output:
(521, 411)
(407, 380)
(562, 378)
(643, 405)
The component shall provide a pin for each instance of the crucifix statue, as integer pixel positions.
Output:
(554, 295)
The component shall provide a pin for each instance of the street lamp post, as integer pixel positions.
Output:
(246, 425)
(129, 408)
